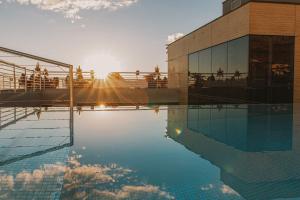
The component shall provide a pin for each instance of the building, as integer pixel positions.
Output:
(249, 54)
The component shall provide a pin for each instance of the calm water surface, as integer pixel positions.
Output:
(168, 152)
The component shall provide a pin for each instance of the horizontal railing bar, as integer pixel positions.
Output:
(11, 64)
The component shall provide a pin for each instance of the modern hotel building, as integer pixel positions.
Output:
(249, 54)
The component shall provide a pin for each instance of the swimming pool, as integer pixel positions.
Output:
(155, 152)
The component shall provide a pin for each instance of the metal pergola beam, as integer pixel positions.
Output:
(18, 53)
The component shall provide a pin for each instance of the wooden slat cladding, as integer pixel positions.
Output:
(272, 19)
(231, 26)
(234, 25)
(297, 57)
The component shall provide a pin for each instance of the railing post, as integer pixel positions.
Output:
(40, 82)
(33, 82)
(71, 106)
(25, 81)
(15, 82)
(44, 81)
(71, 85)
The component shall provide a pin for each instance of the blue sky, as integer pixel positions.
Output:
(125, 36)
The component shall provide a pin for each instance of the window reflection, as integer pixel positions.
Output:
(252, 68)
(238, 59)
(219, 65)
(250, 128)
(282, 60)
(271, 68)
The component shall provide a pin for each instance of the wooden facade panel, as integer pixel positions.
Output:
(297, 57)
(232, 26)
(272, 19)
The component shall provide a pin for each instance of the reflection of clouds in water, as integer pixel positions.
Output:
(24, 184)
(133, 192)
(80, 182)
(106, 182)
(223, 188)
(208, 187)
(227, 190)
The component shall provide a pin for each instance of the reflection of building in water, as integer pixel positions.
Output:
(34, 146)
(254, 146)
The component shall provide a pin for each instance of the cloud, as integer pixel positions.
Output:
(174, 37)
(71, 8)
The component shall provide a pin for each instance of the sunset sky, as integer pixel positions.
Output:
(106, 35)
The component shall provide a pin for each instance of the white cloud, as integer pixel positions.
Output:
(174, 37)
(71, 8)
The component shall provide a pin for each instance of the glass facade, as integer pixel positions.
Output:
(252, 69)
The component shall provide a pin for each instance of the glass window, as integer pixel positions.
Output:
(193, 63)
(219, 58)
(238, 60)
(205, 61)
(282, 60)
(259, 61)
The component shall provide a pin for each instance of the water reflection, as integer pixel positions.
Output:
(34, 147)
(255, 146)
(246, 152)
(41, 164)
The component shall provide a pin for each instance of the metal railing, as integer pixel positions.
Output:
(23, 71)
(206, 80)
(136, 80)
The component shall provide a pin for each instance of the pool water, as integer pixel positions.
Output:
(148, 153)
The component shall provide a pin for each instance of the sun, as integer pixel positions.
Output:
(102, 63)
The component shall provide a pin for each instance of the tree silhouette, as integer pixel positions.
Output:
(220, 73)
(37, 68)
(79, 73)
(137, 73)
(237, 74)
(46, 73)
(92, 73)
(157, 72)
(37, 75)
